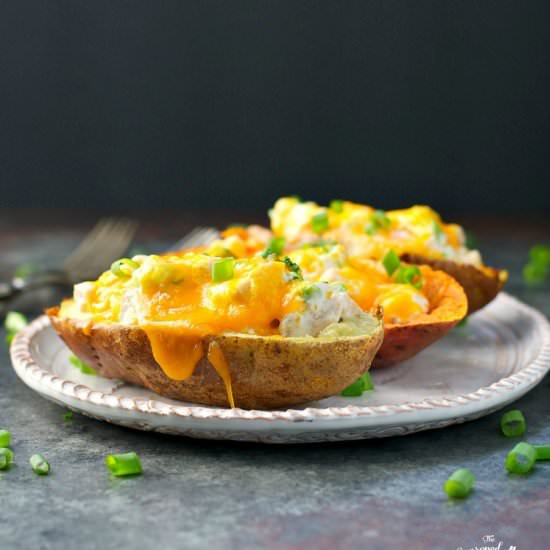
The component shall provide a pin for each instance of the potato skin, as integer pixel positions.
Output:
(448, 305)
(481, 285)
(266, 372)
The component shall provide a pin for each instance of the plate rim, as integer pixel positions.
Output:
(521, 381)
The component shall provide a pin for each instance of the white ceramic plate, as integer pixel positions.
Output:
(502, 353)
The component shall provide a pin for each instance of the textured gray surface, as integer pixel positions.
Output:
(198, 494)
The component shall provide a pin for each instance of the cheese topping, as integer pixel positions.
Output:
(179, 300)
(366, 232)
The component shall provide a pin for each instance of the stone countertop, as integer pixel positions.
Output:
(372, 494)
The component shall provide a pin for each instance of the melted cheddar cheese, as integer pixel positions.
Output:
(178, 301)
(366, 232)
(366, 282)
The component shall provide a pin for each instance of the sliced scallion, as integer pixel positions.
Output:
(39, 465)
(391, 262)
(337, 206)
(543, 452)
(83, 367)
(124, 464)
(6, 458)
(294, 268)
(309, 292)
(521, 459)
(410, 275)
(319, 222)
(124, 267)
(512, 423)
(15, 321)
(276, 246)
(222, 270)
(5, 438)
(362, 384)
(460, 484)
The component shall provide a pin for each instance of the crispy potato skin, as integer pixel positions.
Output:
(481, 285)
(448, 305)
(266, 372)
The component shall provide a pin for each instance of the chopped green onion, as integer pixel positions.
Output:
(391, 262)
(275, 246)
(378, 220)
(5, 438)
(538, 268)
(362, 384)
(39, 465)
(381, 219)
(123, 464)
(297, 198)
(6, 458)
(81, 366)
(540, 254)
(521, 459)
(462, 323)
(325, 244)
(410, 275)
(68, 416)
(222, 270)
(512, 423)
(294, 268)
(24, 270)
(543, 452)
(124, 267)
(460, 484)
(319, 222)
(14, 322)
(310, 291)
(438, 232)
(337, 206)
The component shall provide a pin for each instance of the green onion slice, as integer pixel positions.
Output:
(39, 465)
(125, 464)
(362, 384)
(319, 222)
(512, 423)
(540, 254)
(521, 459)
(378, 220)
(294, 268)
(337, 206)
(275, 246)
(534, 273)
(410, 275)
(14, 322)
(460, 484)
(68, 416)
(124, 267)
(309, 292)
(5, 438)
(222, 270)
(6, 458)
(543, 452)
(84, 368)
(391, 262)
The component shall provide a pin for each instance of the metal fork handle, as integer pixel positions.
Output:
(51, 277)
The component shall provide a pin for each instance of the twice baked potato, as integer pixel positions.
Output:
(416, 312)
(219, 331)
(417, 234)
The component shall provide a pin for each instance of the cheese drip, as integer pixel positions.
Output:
(178, 354)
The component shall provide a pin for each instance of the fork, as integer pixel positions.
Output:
(200, 236)
(106, 242)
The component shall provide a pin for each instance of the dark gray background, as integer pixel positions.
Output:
(186, 103)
